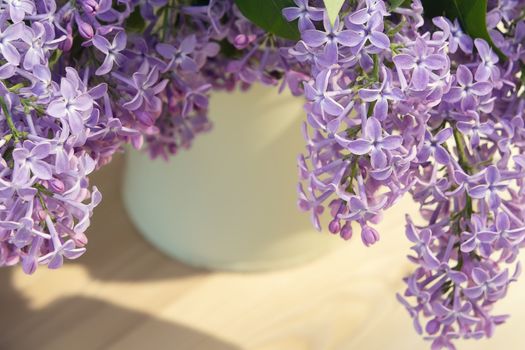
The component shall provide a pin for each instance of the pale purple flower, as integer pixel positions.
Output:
(96, 7)
(55, 258)
(433, 146)
(180, 56)
(7, 37)
(146, 84)
(360, 210)
(331, 36)
(111, 50)
(312, 203)
(467, 92)
(455, 313)
(423, 240)
(304, 13)
(72, 105)
(475, 129)
(324, 101)
(369, 32)
(29, 160)
(477, 237)
(386, 92)
(458, 38)
(373, 141)
(19, 8)
(488, 68)
(421, 61)
(485, 285)
(491, 187)
(506, 236)
(364, 14)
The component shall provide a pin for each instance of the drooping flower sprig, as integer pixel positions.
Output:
(403, 104)
(78, 79)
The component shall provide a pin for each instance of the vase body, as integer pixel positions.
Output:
(229, 203)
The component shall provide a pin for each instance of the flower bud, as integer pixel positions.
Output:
(334, 226)
(85, 29)
(346, 231)
(369, 235)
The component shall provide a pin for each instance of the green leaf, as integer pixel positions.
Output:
(333, 7)
(267, 14)
(135, 22)
(472, 14)
(473, 17)
(394, 4)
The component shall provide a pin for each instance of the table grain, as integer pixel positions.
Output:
(123, 294)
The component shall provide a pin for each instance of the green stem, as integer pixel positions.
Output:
(353, 173)
(375, 71)
(10, 123)
(460, 146)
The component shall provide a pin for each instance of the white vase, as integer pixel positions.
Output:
(229, 202)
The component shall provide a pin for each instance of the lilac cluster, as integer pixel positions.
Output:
(399, 104)
(79, 79)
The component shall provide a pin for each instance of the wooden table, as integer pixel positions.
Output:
(123, 294)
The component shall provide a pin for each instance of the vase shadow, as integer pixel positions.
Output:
(116, 250)
(80, 323)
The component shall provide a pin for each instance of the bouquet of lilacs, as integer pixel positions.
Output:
(403, 97)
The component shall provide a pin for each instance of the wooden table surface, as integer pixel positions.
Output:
(123, 294)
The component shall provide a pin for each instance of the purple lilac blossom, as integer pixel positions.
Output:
(79, 80)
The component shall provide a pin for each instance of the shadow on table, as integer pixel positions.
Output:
(82, 323)
(116, 253)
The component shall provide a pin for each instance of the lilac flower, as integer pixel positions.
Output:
(72, 106)
(505, 236)
(468, 91)
(422, 240)
(382, 95)
(433, 146)
(309, 202)
(324, 102)
(373, 142)
(305, 13)
(369, 32)
(422, 62)
(55, 259)
(369, 235)
(477, 237)
(40, 40)
(20, 185)
(377, 73)
(361, 211)
(457, 313)
(490, 189)
(474, 128)
(29, 159)
(485, 285)
(331, 36)
(181, 56)
(146, 84)
(7, 37)
(19, 8)
(111, 50)
(364, 14)
(488, 68)
(24, 231)
(458, 38)
(96, 7)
